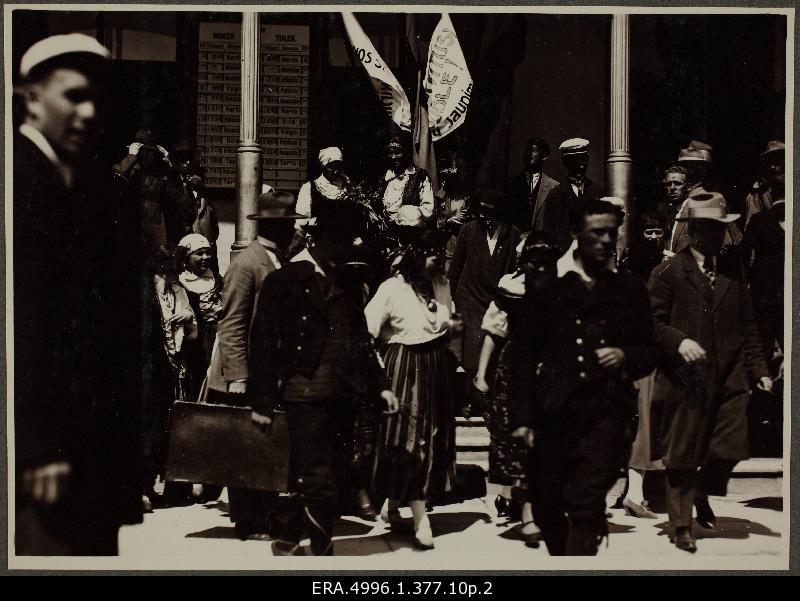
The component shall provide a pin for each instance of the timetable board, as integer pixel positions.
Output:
(283, 99)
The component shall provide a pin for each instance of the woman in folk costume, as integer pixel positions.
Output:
(508, 455)
(170, 322)
(410, 313)
(332, 184)
(204, 290)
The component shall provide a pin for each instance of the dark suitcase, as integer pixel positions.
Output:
(219, 444)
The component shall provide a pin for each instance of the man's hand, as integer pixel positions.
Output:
(134, 148)
(525, 435)
(392, 404)
(610, 357)
(237, 387)
(765, 384)
(690, 351)
(263, 422)
(47, 484)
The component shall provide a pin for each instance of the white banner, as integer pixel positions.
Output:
(391, 93)
(447, 81)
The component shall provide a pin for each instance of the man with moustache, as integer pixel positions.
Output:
(407, 194)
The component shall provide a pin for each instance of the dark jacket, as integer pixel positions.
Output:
(77, 340)
(562, 326)
(764, 255)
(474, 275)
(557, 207)
(685, 397)
(527, 208)
(289, 333)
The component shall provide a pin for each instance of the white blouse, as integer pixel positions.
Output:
(397, 314)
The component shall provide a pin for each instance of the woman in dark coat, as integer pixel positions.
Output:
(485, 251)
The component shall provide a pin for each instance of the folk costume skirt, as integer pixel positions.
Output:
(416, 455)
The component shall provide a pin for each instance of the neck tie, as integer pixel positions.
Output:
(708, 269)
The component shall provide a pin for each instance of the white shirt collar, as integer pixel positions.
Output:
(567, 263)
(304, 255)
(38, 139)
(390, 175)
(701, 258)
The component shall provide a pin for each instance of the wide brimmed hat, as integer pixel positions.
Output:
(276, 204)
(696, 151)
(709, 205)
(774, 146)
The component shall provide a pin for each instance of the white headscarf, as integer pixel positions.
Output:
(329, 155)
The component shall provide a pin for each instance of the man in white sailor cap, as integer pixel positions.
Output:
(564, 197)
(76, 315)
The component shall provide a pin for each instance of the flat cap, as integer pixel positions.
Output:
(56, 46)
(574, 146)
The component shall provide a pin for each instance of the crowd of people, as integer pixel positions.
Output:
(371, 315)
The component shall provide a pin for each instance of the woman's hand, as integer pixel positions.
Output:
(610, 357)
(392, 404)
(481, 384)
(185, 316)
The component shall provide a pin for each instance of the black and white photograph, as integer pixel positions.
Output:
(399, 289)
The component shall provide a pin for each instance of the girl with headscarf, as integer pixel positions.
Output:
(204, 291)
(332, 184)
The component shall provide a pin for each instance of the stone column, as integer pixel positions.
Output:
(620, 166)
(249, 153)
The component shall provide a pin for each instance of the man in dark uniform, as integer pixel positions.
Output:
(588, 336)
(311, 355)
(529, 189)
(709, 348)
(567, 195)
(77, 367)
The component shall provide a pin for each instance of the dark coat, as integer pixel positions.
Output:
(700, 411)
(557, 207)
(561, 327)
(77, 341)
(474, 275)
(527, 208)
(288, 335)
(763, 247)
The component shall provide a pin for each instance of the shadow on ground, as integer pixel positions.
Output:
(773, 503)
(727, 528)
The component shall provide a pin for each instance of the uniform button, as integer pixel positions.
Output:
(578, 322)
(305, 317)
(579, 341)
(583, 375)
(299, 348)
(602, 341)
(302, 333)
(580, 358)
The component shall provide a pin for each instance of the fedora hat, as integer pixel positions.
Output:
(493, 199)
(696, 151)
(774, 146)
(276, 204)
(709, 205)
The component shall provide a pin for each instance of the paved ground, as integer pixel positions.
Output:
(751, 535)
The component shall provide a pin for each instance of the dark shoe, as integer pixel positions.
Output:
(251, 530)
(685, 541)
(705, 515)
(285, 548)
(502, 505)
(638, 511)
(365, 510)
(619, 503)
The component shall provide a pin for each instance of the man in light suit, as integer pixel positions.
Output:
(530, 187)
(228, 373)
(710, 356)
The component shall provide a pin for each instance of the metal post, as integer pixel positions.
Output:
(620, 166)
(249, 153)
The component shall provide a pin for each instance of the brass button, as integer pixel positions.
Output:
(602, 341)
(580, 358)
(583, 375)
(579, 341)
(578, 322)
(299, 348)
